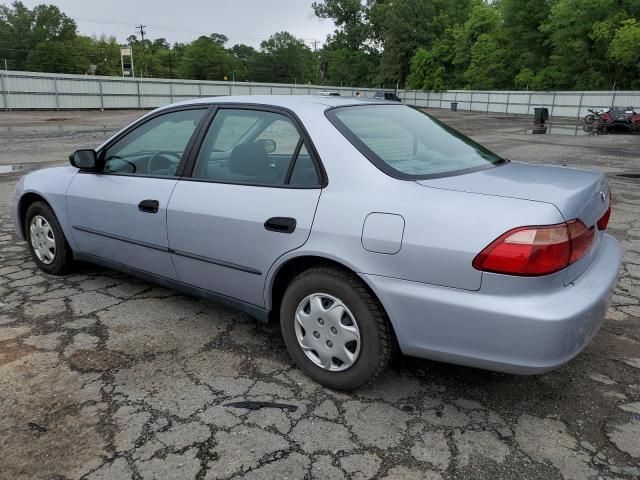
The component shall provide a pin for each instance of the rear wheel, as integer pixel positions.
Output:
(335, 329)
(47, 244)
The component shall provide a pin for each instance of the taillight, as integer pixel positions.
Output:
(581, 239)
(538, 250)
(604, 219)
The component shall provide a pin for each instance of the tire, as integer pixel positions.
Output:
(58, 256)
(589, 119)
(332, 288)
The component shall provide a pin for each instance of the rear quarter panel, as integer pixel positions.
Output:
(444, 229)
(443, 232)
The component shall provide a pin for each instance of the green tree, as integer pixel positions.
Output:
(458, 58)
(56, 56)
(285, 59)
(580, 33)
(160, 59)
(350, 16)
(428, 68)
(347, 67)
(206, 59)
(348, 53)
(103, 52)
(427, 44)
(22, 31)
(245, 58)
(625, 45)
(525, 79)
(489, 68)
(162, 63)
(400, 27)
(143, 61)
(522, 19)
(50, 24)
(624, 48)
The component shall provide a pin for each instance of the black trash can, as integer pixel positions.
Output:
(454, 106)
(540, 115)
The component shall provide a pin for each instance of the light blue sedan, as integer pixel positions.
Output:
(360, 226)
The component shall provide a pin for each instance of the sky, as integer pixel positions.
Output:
(242, 21)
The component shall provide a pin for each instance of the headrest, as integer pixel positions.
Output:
(249, 159)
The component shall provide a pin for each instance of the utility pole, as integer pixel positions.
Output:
(613, 94)
(144, 58)
(315, 54)
(5, 86)
(170, 68)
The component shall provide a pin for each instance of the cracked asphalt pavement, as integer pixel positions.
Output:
(103, 376)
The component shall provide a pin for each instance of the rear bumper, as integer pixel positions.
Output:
(523, 332)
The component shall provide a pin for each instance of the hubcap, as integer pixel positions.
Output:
(42, 240)
(327, 332)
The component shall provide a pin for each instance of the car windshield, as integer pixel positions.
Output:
(408, 143)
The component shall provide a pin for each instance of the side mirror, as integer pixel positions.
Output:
(84, 159)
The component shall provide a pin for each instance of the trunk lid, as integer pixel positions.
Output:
(576, 193)
(581, 194)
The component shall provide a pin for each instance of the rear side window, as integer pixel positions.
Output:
(235, 126)
(254, 147)
(407, 143)
(304, 173)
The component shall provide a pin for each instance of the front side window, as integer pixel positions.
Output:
(252, 147)
(407, 143)
(156, 147)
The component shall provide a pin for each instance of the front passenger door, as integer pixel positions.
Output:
(120, 213)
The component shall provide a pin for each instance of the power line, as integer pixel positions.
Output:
(182, 30)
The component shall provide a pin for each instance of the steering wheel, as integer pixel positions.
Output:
(159, 161)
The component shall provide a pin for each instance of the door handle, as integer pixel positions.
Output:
(280, 224)
(149, 206)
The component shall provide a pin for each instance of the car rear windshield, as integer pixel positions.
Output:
(407, 143)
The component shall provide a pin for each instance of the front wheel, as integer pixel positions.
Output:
(335, 329)
(589, 119)
(47, 244)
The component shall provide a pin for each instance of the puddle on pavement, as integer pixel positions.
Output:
(575, 130)
(555, 129)
(11, 168)
(57, 129)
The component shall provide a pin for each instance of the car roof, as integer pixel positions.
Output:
(292, 102)
(299, 104)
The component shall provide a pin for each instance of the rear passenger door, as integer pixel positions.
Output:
(251, 196)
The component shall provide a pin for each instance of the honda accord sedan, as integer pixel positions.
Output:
(362, 227)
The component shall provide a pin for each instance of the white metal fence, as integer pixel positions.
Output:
(560, 104)
(46, 91)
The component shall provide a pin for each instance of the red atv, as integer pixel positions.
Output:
(617, 119)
